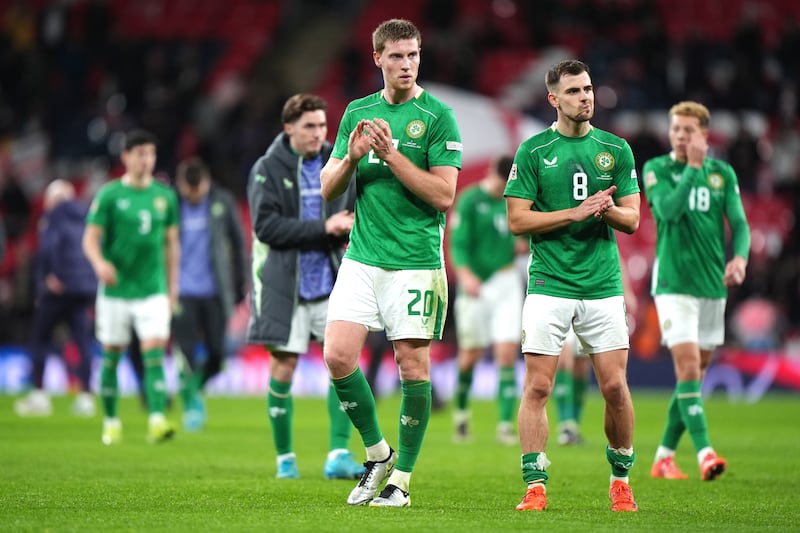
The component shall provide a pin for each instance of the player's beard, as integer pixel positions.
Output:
(581, 116)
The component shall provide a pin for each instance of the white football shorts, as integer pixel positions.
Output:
(308, 321)
(408, 304)
(683, 318)
(495, 315)
(600, 325)
(114, 318)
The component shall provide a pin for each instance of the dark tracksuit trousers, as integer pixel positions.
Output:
(52, 310)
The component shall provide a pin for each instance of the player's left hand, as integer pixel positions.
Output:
(53, 284)
(380, 137)
(173, 299)
(735, 271)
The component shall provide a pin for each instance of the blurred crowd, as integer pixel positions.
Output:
(76, 74)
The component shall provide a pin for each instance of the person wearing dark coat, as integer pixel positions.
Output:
(65, 290)
(298, 243)
(211, 283)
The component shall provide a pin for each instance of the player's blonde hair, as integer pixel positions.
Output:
(689, 108)
(393, 30)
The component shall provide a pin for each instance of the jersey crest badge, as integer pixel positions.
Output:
(160, 203)
(715, 181)
(604, 161)
(415, 129)
(512, 174)
(650, 179)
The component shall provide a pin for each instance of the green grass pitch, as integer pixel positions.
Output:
(55, 475)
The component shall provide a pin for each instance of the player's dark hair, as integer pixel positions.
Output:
(192, 171)
(502, 165)
(136, 138)
(393, 30)
(568, 67)
(301, 103)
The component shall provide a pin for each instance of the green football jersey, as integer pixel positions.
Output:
(689, 207)
(134, 223)
(479, 235)
(393, 227)
(580, 260)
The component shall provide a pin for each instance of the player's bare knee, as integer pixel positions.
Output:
(340, 364)
(614, 392)
(537, 391)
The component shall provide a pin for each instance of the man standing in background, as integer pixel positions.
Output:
(212, 282)
(488, 305)
(132, 242)
(690, 195)
(297, 248)
(65, 286)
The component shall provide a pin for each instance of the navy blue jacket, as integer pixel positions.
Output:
(60, 250)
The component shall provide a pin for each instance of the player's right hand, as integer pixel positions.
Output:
(596, 205)
(470, 283)
(359, 144)
(106, 273)
(696, 150)
(339, 224)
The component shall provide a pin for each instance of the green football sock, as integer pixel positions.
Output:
(674, 428)
(563, 391)
(280, 410)
(355, 397)
(462, 389)
(155, 385)
(579, 385)
(189, 386)
(506, 393)
(341, 426)
(109, 392)
(534, 467)
(415, 411)
(620, 463)
(690, 404)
